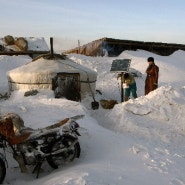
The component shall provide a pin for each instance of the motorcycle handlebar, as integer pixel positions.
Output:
(77, 117)
(64, 121)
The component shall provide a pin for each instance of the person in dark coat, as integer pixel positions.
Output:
(152, 71)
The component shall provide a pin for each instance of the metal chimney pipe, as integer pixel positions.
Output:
(51, 47)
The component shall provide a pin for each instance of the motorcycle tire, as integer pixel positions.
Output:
(56, 160)
(2, 170)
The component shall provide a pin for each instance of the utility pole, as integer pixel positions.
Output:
(78, 46)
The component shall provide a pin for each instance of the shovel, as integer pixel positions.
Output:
(95, 104)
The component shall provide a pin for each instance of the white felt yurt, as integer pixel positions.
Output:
(42, 73)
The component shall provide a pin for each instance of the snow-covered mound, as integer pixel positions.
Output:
(159, 114)
(8, 63)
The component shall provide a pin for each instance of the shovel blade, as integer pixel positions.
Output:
(95, 105)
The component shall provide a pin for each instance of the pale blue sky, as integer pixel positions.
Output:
(88, 20)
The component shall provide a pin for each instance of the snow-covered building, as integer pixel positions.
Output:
(114, 47)
(59, 73)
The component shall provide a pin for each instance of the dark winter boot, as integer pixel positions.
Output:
(126, 98)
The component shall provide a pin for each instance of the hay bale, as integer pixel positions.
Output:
(22, 44)
(9, 40)
(108, 104)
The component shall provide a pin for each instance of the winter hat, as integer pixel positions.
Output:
(126, 75)
(150, 59)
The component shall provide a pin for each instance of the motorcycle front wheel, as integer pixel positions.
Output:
(2, 171)
(67, 155)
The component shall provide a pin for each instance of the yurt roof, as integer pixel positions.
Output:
(49, 67)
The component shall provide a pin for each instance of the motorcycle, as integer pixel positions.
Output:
(54, 144)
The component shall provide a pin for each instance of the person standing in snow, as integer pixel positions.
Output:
(129, 85)
(152, 71)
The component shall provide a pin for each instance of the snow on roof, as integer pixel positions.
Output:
(37, 44)
(39, 69)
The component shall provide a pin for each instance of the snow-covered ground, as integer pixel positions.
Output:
(138, 142)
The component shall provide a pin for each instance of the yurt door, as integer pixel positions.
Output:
(67, 85)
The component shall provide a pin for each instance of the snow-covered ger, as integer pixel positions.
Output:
(40, 73)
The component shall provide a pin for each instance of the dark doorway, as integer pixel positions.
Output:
(67, 85)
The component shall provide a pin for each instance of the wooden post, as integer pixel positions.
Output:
(78, 46)
(122, 90)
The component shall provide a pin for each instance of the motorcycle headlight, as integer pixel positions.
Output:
(74, 126)
(65, 129)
